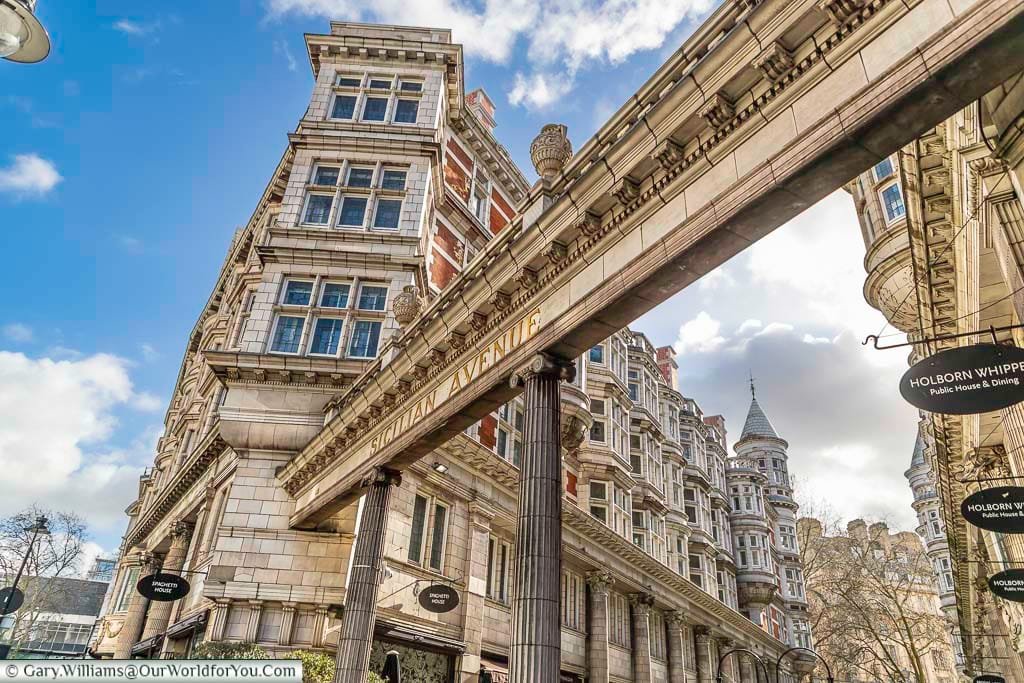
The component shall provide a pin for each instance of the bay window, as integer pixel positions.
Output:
(354, 195)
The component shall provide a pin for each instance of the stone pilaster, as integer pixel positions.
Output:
(287, 623)
(642, 605)
(476, 594)
(319, 625)
(135, 616)
(218, 620)
(676, 647)
(252, 628)
(600, 582)
(702, 653)
(160, 612)
(536, 625)
(357, 620)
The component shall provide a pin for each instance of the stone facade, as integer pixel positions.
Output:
(389, 188)
(949, 205)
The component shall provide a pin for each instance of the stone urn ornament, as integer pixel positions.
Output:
(550, 150)
(407, 305)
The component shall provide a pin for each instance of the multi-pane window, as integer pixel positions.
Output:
(787, 537)
(573, 601)
(634, 385)
(597, 429)
(883, 169)
(697, 569)
(690, 506)
(429, 533)
(892, 202)
(794, 583)
(656, 626)
(330, 314)
(355, 196)
(377, 98)
(618, 620)
(499, 555)
(599, 500)
(597, 354)
(131, 577)
(509, 432)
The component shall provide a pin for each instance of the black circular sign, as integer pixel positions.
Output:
(989, 678)
(163, 587)
(17, 600)
(967, 380)
(439, 598)
(996, 509)
(1008, 585)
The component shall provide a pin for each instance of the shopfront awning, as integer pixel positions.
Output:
(187, 625)
(406, 635)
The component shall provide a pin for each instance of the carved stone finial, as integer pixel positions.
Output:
(407, 305)
(550, 150)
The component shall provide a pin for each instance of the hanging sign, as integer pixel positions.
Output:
(996, 509)
(1008, 585)
(16, 601)
(163, 587)
(989, 678)
(966, 381)
(439, 598)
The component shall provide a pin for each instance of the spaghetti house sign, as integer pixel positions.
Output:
(966, 380)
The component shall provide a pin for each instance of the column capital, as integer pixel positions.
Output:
(675, 619)
(180, 530)
(600, 581)
(289, 606)
(382, 476)
(145, 560)
(543, 364)
(702, 632)
(642, 603)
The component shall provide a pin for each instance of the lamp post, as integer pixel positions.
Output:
(22, 37)
(38, 528)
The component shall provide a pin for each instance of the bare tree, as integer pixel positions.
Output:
(58, 554)
(871, 600)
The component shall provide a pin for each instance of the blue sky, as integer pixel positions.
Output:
(131, 154)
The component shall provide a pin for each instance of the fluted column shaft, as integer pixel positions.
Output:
(160, 612)
(676, 649)
(135, 616)
(642, 605)
(702, 651)
(748, 670)
(599, 583)
(536, 626)
(356, 632)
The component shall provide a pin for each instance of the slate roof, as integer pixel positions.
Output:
(757, 423)
(65, 595)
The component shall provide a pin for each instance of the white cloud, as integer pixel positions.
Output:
(149, 352)
(538, 90)
(717, 279)
(55, 417)
(700, 335)
(29, 174)
(135, 28)
(146, 402)
(560, 37)
(281, 48)
(18, 332)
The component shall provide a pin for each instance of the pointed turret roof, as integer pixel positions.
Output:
(919, 447)
(757, 424)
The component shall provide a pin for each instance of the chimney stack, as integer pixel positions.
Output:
(480, 104)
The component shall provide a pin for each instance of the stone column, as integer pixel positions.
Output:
(218, 620)
(319, 625)
(252, 628)
(748, 669)
(600, 583)
(536, 626)
(160, 612)
(728, 666)
(287, 621)
(705, 665)
(476, 589)
(642, 605)
(356, 633)
(676, 647)
(135, 617)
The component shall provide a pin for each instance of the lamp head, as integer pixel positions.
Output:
(22, 37)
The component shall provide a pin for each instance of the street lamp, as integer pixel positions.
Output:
(38, 528)
(22, 37)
